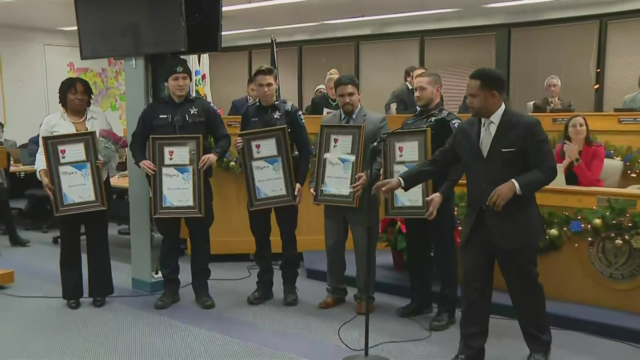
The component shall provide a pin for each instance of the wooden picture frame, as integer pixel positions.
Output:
(76, 178)
(268, 167)
(341, 148)
(177, 187)
(403, 150)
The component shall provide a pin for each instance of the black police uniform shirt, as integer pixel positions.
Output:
(282, 112)
(322, 105)
(192, 116)
(442, 124)
(404, 99)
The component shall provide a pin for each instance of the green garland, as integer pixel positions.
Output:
(612, 223)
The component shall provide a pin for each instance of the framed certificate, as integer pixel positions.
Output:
(75, 176)
(403, 150)
(340, 154)
(268, 167)
(177, 185)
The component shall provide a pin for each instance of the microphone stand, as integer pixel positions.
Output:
(370, 249)
(372, 154)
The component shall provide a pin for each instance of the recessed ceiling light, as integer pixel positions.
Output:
(258, 4)
(70, 28)
(517, 2)
(390, 16)
(342, 21)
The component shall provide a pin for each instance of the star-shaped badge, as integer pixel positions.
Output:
(193, 110)
(179, 69)
(277, 115)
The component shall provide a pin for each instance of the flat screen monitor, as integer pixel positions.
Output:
(127, 28)
(204, 26)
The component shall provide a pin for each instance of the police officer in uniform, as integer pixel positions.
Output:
(181, 114)
(264, 113)
(438, 228)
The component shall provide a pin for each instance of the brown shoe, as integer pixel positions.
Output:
(362, 307)
(330, 302)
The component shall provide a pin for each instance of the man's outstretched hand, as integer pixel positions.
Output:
(387, 187)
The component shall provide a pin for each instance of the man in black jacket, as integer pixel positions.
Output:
(507, 158)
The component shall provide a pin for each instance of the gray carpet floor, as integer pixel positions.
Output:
(129, 328)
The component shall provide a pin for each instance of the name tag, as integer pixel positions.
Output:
(255, 119)
(164, 116)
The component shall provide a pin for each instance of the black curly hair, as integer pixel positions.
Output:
(69, 85)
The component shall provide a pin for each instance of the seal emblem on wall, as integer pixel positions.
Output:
(615, 260)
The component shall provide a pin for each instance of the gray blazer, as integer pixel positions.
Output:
(375, 126)
(10, 144)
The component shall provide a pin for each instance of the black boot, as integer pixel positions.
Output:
(414, 309)
(442, 321)
(167, 299)
(18, 241)
(99, 302)
(205, 301)
(73, 304)
(290, 296)
(260, 296)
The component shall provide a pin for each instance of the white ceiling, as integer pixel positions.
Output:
(54, 14)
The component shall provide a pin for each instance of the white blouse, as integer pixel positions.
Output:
(58, 123)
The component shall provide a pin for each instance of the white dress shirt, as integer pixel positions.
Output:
(58, 123)
(492, 122)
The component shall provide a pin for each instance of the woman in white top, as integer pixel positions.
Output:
(75, 95)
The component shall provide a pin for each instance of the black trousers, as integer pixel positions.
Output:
(96, 228)
(6, 217)
(519, 267)
(200, 247)
(260, 222)
(421, 234)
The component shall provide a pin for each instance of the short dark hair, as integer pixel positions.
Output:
(409, 71)
(265, 70)
(70, 84)
(250, 80)
(490, 79)
(434, 77)
(346, 80)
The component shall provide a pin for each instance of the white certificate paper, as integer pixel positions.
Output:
(407, 151)
(177, 186)
(76, 182)
(326, 111)
(338, 174)
(340, 144)
(69, 153)
(268, 177)
(264, 148)
(411, 198)
(176, 155)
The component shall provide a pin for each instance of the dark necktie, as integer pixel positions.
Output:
(348, 120)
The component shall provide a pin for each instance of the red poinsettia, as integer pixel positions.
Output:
(115, 139)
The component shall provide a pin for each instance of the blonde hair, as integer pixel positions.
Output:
(332, 75)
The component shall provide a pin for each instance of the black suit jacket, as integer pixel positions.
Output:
(519, 150)
(237, 106)
(542, 106)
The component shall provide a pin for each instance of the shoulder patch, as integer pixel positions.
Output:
(455, 123)
(300, 117)
(288, 106)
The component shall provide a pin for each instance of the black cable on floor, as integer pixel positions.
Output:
(429, 334)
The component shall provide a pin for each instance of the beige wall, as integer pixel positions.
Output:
(382, 65)
(569, 51)
(622, 64)
(318, 60)
(287, 68)
(228, 72)
(454, 58)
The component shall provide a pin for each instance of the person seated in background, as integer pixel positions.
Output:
(401, 100)
(319, 90)
(552, 87)
(238, 105)
(34, 142)
(6, 218)
(581, 157)
(326, 103)
(9, 144)
(632, 101)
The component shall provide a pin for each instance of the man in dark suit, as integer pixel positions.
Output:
(552, 87)
(238, 105)
(506, 158)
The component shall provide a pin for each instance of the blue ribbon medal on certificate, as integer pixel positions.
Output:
(268, 178)
(177, 186)
(76, 183)
(338, 174)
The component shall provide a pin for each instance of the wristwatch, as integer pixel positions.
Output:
(577, 161)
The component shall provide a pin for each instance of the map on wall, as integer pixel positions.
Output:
(106, 77)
